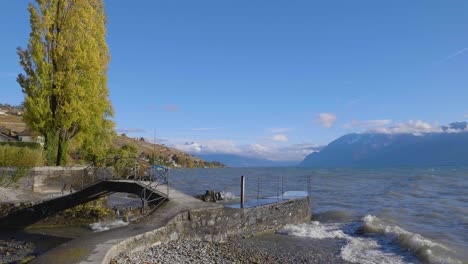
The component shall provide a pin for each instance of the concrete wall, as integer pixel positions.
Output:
(219, 224)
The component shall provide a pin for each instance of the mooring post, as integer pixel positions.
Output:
(282, 187)
(242, 191)
(258, 188)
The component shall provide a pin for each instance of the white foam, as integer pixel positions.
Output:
(229, 196)
(314, 230)
(357, 250)
(103, 226)
(427, 250)
(368, 251)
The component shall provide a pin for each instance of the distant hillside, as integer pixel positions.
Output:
(395, 150)
(231, 160)
(166, 155)
(10, 118)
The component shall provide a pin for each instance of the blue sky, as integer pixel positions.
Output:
(272, 79)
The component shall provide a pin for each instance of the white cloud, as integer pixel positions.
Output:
(453, 55)
(268, 150)
(368, 123)
(326, 119)
(209, 146)
(294, 152)
(417, 127)
(279, 137)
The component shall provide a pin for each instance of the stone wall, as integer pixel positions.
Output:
(49, 179)
(218, 224)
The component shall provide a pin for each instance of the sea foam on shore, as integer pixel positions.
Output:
(371, 241)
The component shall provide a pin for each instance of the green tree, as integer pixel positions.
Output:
(65, 75)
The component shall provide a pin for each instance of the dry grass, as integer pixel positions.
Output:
(12, 122)
(20, 157)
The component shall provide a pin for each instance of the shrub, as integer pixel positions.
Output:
(14, 156)
(32, 145)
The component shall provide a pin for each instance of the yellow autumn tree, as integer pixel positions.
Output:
(65, 76)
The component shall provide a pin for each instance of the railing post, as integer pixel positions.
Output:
(167, 183)
(242, 201)
(135, 172)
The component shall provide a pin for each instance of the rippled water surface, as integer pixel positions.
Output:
(385, 215)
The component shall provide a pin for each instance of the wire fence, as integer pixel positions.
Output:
(260, 188)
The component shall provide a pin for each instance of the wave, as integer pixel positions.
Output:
(370, 241)
(425, 249)
(357, 249)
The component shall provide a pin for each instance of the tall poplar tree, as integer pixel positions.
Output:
(65, 76)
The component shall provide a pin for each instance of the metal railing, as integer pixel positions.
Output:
(260, 188)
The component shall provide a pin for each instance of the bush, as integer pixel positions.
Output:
(14, 156)
(32, 145)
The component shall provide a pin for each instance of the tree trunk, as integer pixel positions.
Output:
(62, 150)
(51, 141)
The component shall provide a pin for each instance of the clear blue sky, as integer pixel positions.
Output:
(252, 77)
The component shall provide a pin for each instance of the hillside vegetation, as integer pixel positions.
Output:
(162, 155)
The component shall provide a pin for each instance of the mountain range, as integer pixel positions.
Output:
(447, 147)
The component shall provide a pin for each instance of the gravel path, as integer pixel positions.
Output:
(263, 249)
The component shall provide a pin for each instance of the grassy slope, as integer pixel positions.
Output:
(12, 122)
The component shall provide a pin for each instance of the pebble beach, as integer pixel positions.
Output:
(270, 248)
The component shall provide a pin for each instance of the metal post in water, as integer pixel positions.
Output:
(277, 187)
(282, 187)
(258, 188)
(242, 191)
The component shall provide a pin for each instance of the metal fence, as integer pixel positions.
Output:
(260, 188)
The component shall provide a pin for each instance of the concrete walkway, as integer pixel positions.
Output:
(96, 247)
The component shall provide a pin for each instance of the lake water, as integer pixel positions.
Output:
(383, 216)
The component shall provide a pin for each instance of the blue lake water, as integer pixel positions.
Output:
(384, 215)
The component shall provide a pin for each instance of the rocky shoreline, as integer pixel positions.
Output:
(271, 248)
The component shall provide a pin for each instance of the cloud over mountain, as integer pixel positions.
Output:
(326, 119)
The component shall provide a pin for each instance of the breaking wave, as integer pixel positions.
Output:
(370, 241)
